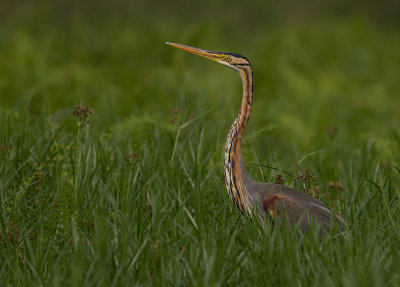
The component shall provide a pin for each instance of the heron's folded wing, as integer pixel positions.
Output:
(280, 206)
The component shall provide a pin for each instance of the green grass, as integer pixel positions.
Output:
(132, 199)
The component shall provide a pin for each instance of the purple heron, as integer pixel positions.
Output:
(267, 200)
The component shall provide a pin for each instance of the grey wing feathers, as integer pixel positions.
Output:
(278, 201)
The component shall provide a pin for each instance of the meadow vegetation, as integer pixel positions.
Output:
(111, 160)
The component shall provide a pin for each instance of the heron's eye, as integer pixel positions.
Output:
(230, 59)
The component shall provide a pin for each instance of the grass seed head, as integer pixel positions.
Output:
(279, 179)
(83, 113)
(330, 185)
(339, 186)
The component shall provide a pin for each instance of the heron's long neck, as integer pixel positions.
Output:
(235, 172)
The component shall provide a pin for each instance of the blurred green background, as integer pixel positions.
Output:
(318, 67)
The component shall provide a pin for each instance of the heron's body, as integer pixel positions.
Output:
(266, 199)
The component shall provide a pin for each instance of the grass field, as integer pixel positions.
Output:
(111, 163)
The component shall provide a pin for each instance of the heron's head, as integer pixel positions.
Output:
(232, 60)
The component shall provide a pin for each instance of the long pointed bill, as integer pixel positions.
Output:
(215, 56)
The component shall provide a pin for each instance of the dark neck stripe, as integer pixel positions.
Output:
(241, 64)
